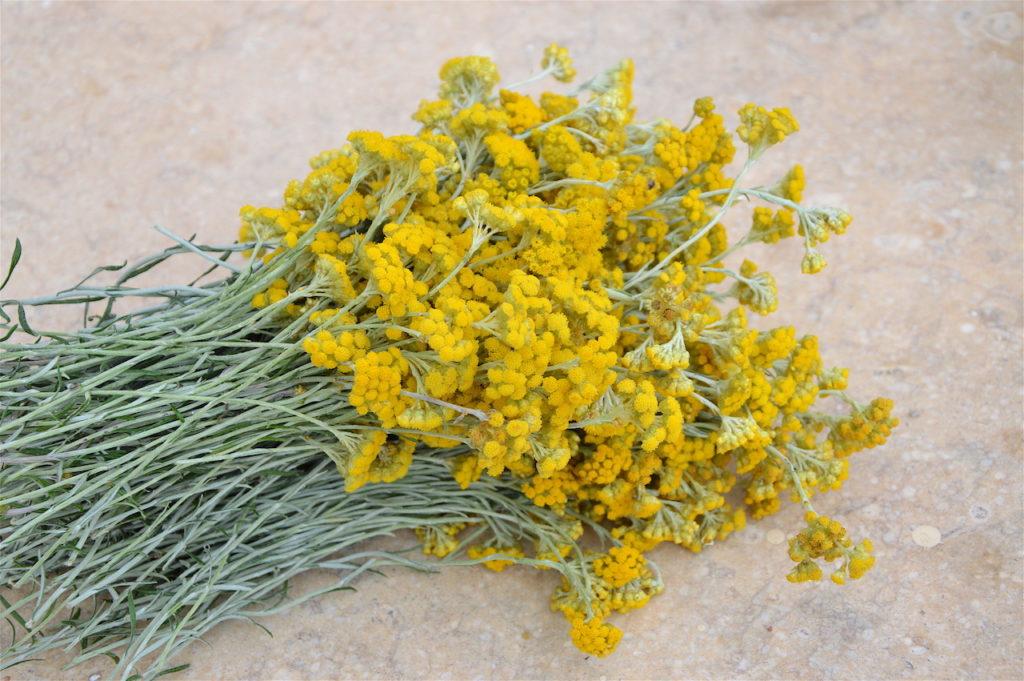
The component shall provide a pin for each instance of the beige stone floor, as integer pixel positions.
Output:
(118, 116)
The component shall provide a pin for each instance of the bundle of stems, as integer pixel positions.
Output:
(163, 470)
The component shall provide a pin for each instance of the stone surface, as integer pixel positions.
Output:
(117, 116)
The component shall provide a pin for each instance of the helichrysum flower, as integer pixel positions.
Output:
(540, 285)
(557, 61)
(761, 128)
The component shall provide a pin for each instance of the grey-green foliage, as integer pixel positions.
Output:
(162, 471)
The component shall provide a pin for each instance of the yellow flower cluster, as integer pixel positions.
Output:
(826, 538)
(497, 564)
(620, 580)
(558, 63)
(440, 540)
(371, 457)
(761, 128)
(539, 287)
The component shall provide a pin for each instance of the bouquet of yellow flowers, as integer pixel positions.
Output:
(515, 333)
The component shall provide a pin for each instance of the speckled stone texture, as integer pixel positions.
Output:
(118, 116)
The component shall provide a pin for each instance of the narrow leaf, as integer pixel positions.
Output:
(24, 321)
(15, 257)
(131, 614)
(173, 670)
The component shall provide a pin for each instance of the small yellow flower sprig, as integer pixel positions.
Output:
(619, 580)
(814, 224)
(539, 285)
(825, 538)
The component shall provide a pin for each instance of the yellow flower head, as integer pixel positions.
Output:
(761, 128)
(620, 566)
(465, 80)
(556, 60)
